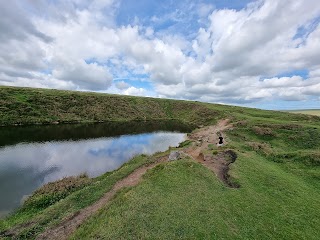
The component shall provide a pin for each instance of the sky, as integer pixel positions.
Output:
(258, 53)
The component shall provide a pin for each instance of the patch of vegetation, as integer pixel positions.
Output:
(53, 192)
(184, 144)
(263, 131)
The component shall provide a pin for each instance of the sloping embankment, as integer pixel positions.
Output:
(23, 106)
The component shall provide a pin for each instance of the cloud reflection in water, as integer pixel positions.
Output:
(25, 167)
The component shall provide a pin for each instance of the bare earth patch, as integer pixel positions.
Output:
(218, 163)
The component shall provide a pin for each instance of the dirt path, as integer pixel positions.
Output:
(205, 136)
(200, 151)
(219, 164)
(68, 226)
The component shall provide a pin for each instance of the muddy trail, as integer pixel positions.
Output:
(68, 226)
(200, 151)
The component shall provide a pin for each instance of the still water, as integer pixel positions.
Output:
(33, 156)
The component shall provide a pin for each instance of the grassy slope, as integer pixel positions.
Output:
(277, 168)
(33, 106)
(184, 200)
(279, 197)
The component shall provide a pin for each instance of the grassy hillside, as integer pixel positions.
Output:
(278, 170)
(43, 106)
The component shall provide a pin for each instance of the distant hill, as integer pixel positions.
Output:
(315, 112)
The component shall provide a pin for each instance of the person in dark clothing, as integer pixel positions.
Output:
(220, 140)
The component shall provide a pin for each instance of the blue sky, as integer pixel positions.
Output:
(260, 53)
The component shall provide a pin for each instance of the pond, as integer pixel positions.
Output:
(35, 155)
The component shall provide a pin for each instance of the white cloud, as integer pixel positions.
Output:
(133, 91)
(86, 76)
(282, 82)
(236, 56)
(122, 85)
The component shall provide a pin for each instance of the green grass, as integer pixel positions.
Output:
(279, 197)
(25, 106)
(184, 200)
(278, 169)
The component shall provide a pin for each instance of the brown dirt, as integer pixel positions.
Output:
(68, 226)
(218, 163)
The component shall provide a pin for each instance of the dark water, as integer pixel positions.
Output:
(33, 156)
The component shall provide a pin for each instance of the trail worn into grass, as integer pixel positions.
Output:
(68, 226)
(218, 163)
(203, 137)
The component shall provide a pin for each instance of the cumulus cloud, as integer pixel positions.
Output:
(87, 76)
(235, 56)
(16, 25)
(122, 85)
(135, 91)
(241, 47)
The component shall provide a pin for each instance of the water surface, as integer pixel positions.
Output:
(33, 156)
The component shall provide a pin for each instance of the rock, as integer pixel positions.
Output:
(174, 155)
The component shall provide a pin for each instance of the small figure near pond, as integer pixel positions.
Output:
(220, 143)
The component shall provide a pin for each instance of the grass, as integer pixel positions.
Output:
(24, 106)
(184, 200)
(278, 169)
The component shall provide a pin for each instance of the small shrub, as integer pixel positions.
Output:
(260, 147)
(242, 123)
(215, 152)
(54, 191)
(263, 131)
(185, 144)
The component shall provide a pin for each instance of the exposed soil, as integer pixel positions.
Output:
(219, 164)
(68, 226)
(200, 151)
